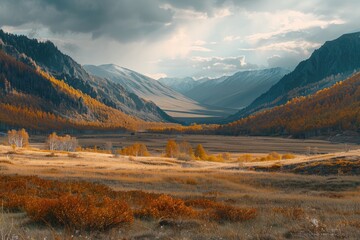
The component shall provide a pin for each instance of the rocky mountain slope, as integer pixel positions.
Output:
(238, 90)
(181, 85)
(48, 58)
(334, 61)
(33, 99)
(328, 112)
(172, 102)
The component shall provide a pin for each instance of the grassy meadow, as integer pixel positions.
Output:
(247, 195)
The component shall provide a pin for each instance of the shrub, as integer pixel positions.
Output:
(214, 158)
(201, 203)
(270, 157)
(13, 202)
(225, 213)
(245, 158)
(171, 149)
(81, 213)
(137, 149)
(274, 156)
(166, 207)
(288, 156)
(41, 209)
(200, 152)
(226, 156)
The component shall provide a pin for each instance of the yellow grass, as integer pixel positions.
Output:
(287, 205)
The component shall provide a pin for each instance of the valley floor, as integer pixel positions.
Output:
(290, 206)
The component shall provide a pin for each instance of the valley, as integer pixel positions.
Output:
(287, 204)
(179, 120)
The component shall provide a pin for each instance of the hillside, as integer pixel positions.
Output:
(334, 61)
(172, 102)
(238, 90)
(48, 58)
(181, 85)
(37, 101)
(331, 110)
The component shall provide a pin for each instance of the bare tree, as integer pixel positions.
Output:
(66, 143)
(18, 138)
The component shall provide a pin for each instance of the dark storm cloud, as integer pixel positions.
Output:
(124, 20)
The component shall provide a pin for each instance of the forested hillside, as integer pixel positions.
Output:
(334, 61)
(35, 100)
(47, 57)
(330, 110)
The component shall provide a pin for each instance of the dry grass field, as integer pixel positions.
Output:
(213, 143)
(306, 197)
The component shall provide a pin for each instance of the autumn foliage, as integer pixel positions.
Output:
(332, 109)
(171, 149)
(88, 206)
(137, 149)
(18, 138)
(61, 143)
(35, 100)
(166, 207)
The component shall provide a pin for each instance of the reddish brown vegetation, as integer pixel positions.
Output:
(221, 212)
(88, 206)
(166, 207)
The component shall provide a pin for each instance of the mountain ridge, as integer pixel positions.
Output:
(339, 56)
(172, 102)
(330, 111)
(238, 90)
(46, 56)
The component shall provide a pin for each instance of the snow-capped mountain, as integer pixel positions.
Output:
(172, 102)
(180, 85)
(238, 90)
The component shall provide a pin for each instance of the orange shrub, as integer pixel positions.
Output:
(166, 207)
(41, 209)
(85, 213)
(13, 202)
(225, 213)
(221, 213)
(288, 156)
(245, 158)
(201, 203)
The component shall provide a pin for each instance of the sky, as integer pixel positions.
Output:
(180, 38)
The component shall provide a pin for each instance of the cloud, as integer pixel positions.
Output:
(296, 47)
(208, 66)
(289, 21)
(288, 61)
(181, 37)
(119, 19)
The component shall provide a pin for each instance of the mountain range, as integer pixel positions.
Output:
(334, 61)
(181, 85)
(238, 90)
(172, 102)
(47, 57)
(328, 112)
(41, 88)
